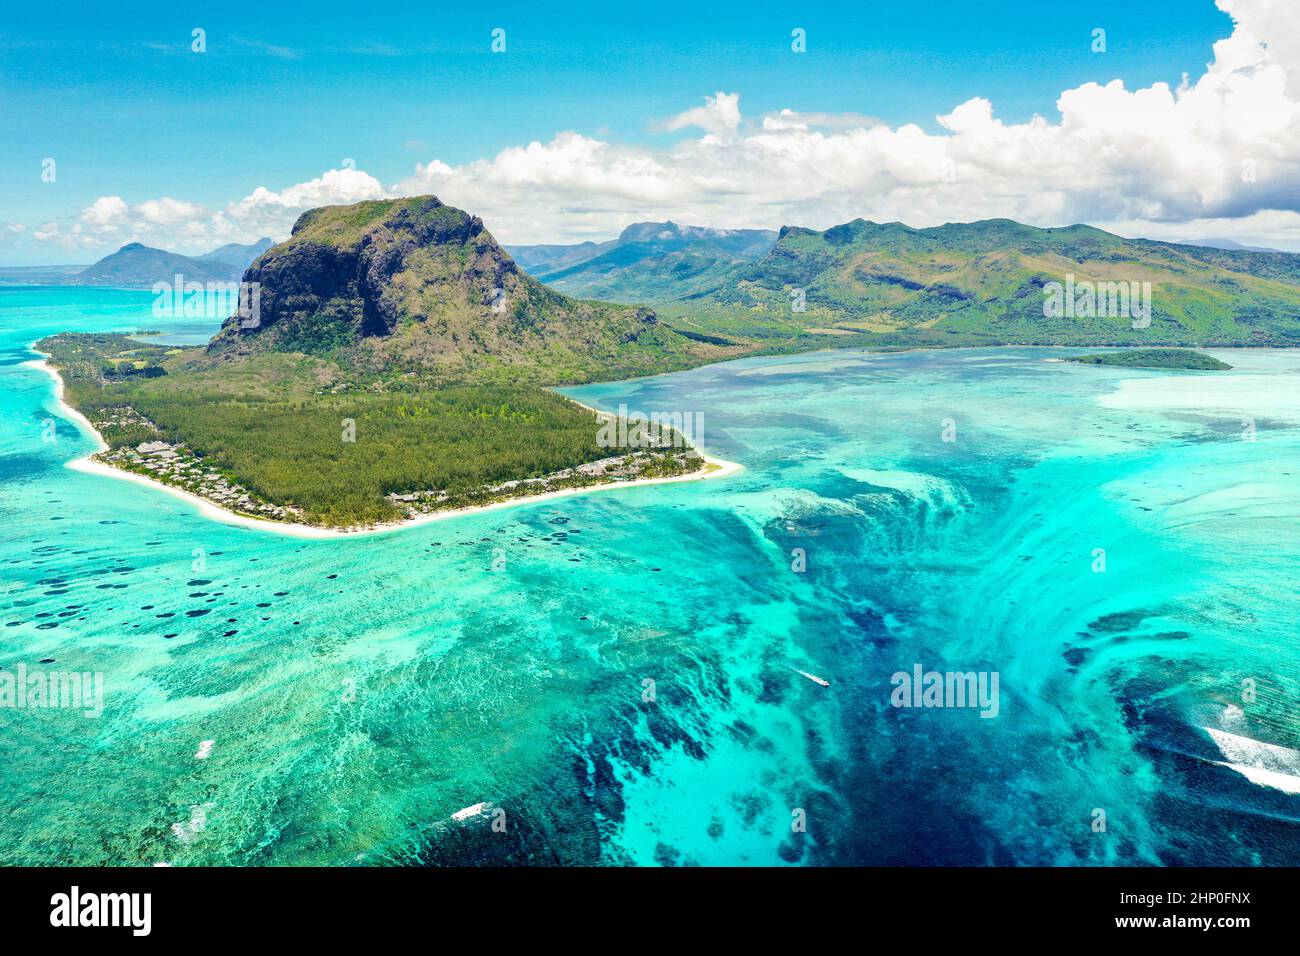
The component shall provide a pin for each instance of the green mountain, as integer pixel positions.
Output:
(1223, 244)
(416, 286)
(988, 282)
(649, 261)
(140, 266)
(136, 265)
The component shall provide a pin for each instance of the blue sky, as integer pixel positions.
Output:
(115, 95)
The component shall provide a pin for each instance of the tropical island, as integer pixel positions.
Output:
(1155, 358)
(397, 362)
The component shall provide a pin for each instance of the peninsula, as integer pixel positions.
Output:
(397, 368)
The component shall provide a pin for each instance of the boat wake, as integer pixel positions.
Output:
(812, 677)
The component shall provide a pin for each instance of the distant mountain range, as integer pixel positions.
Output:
(140, 266)
(1225, 244)
(961, 283)
(235, 253)
(410, 284)
(37, 275)
(989, 282)
(715, 292)
(648, 261)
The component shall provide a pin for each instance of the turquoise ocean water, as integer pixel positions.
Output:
(350, 697)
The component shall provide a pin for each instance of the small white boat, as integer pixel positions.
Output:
(812, 677)
(461, 815)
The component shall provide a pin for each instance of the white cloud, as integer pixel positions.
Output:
(1269, 228)
(270, 49)
(166, 211)
(1215, 158)
(267, 212)
(192, 227)
(1225, 148)
(719, 116)
(107, 212)
(102, 221)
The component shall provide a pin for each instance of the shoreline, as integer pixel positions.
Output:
(68, 412)
(720, 468)
(209, 509)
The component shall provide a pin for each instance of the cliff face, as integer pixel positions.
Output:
(416, 285)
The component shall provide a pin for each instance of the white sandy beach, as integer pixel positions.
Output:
(64, 409)
(718, 468)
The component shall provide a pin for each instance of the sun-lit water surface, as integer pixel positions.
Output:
(357, 693)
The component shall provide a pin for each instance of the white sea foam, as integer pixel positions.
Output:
(795, 504)
(1254, 396)
(801, 366)
(919, 485)
(1268, 765)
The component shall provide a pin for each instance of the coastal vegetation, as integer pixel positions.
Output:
(397, 363)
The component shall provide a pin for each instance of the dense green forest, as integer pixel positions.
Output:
(457, 440)
(335, 456)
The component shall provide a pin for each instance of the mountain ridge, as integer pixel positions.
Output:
(136, 265)
(985, 282)
(649, 260)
